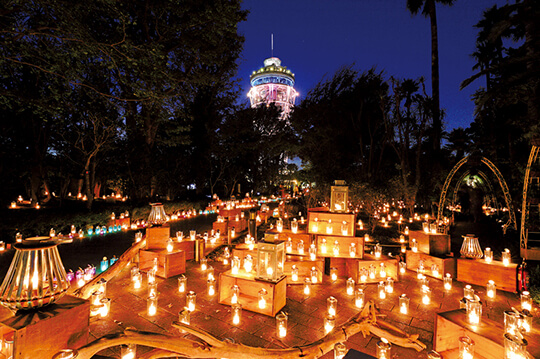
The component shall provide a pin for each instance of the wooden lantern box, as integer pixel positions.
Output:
(43, 332)
(169, 264)
(341, 264)
(488, 336)
(355, 266)
(479, 272)
(433, 244)
(220, 226)
(331, 220)
(445, 264)
(276, 296)
(304, 266)
(239, 226)
(229, 213)
(295, 239)
(157, 237)
(188, 246)
(344, 243)
(242, 250)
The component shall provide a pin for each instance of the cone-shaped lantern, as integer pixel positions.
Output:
(157, 215)
(36, 276)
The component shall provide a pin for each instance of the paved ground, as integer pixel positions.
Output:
(306, 313)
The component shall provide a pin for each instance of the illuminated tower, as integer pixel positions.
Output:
(273, 83)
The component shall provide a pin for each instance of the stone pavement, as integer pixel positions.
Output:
(306, 313)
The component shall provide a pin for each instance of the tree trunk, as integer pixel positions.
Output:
(437, 123)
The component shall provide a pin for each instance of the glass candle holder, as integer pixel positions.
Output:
(179, 236)
(235, 294)
(105, 307)
(192, 234)
(381, 290)
(488, 255)
(262, 298)
(138, 236)
(204, 264)
(170, 245)
(384, 349)
(134, 271)
(377, 250)
(402, 267)
(315, 225)
(294, 226)
(404, 304)
(329, 228)
(350, 286)
(333, 274)
(312, 252)
(236, 313)
(294, 273)
(288, 245)
(371, 271)
(403, 248)
(364, 274)
(96, 298)
(474, 311)
(151, 305)
(382, 271)
(329, 324)
(491, 289)
(307, 286)
(235, 265)
(211, 286)
(425, 227)
(184, 316)
(468, 292)
(313, 274)
(466, 348)
(344, 228)
(435, 270)
(336, 248)
(359, 298)
(331, 306)
(366, 238)
(248, 263)
(128, 351)
(323, 246)
(505, 255)
(182, 284)
(137, 281)
(352, 250)
(414, 245)
(300, 247)
(151, 275)
(434, 355)
(514, 347)
(526, 301)
(210, 273)
(525, 322)
(447, 281)
(426, 295)
(389, 285)
(152, 289)
(191, 299)
(511, 322)
(281, 325)
(339, 350)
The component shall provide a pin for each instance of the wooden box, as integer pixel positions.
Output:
(340, 264)
(434, 244)
(446, 265)
(477, 271)
(229, 213)
(488, 335)
(331, 223)
(188, 246)
(276, 296)
(304, 266)
(295, 239)
(220, 226)
(157, 237)
(242, 250)
(355, 266)
(344, 243)
(41, 333)
(169, 264)
(239, 226)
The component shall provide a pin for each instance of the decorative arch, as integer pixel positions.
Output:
(502, 183)
(527, 205)
(487, 183)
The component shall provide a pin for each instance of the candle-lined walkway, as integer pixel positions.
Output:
(306, 313)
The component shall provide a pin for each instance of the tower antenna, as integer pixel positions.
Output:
(272, 45)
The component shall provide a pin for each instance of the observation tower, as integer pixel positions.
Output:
(273, 83)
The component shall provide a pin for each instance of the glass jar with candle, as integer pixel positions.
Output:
(382, 271)
(364, 273)
(333, 274)
(414, 245)
(105, 307)
(236, 313)
(329, 323)
(402, 267)
(152, 289)
(235, 265)
(371, 270)
(344, 228)
(466, 348)
(211, 286)
(352, 250)
(192, 234)
(262, 298)
(435, 270)
(526, 301)
(339, 350)
(294, 226)
(505, 255)
(515, 347)
(307, 286)
(210, 273)
(350, 286)
(474, 311)
(511, 322)
(204, 264)
(314, 274)
(468, 292)
(191, 298)
(179, 236)
(184, 316)
(128, 351)
(312, 252)
(248, 263)
(384, 349)
(525, 322)
(381, 290)
(137, 280)
(488, 255)
(331, 306)
(377, 250)
(294, 273)
(434, 355)
(288, 245)
(182, 284)
(336, 248)
(151, 305)
(323, 246)
(389, 285)
(281, 325)
(359, 298)
(300, 247)
(426, 295)
(404, 304)
(491, 289)
(447, 281)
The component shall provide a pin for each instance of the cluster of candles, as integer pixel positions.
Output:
(100, 305)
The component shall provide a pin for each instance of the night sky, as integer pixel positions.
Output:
(314, 38)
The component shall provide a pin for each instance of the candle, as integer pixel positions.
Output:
(515, 347)
(506, 257)
(359, 298)
(128, 351)
(236, 311)
(204, 264)
(389, 285)
(333, 274)
(488, 255)
(281, 325)
(307, 286)
(137, 280)
(466, 348)
(312, 252)
(474, 311)
(105, 307)
(511, 321)
(235, 294)
(447, 280)
(331, 305)
(339, 351)
(384, 349)
(435, 270)
(329, 228)
(191, 298)
(350, 286)
(211, 286)
(323, 246)
(235, 265)
(300, 247)
(152, 289)
(468, 292)
(169, 245)
(315, 225)
(426, 295)
(184, 316)
(491, 289)
(314, 275)
(371, 271)
(525, 322)
(404, 304)
(344, 228)
(363, 275)
(377, 250)
(210, 273)
(151, 305)
(329, 323)
(262, 298)
(414, 245)
(336, 248)
(526, 301)
(352, 250)
(382, 271)
(402, 267)
(294, 273)
(381, 290)
(294, 226)
(248, 263)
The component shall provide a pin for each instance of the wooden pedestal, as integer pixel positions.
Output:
(446, 265)
(355, 266)
(331, 220)
(276, 296)
(488, 335)
(479, 272)
(304, 269)
(344, 243)
(157, 237)
(433, 244)
(169, 264)
(42, 333)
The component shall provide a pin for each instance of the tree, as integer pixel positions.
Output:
(428, 8)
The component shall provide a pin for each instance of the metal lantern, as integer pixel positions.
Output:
(470, 247)
(339, 198)
(270, 259)
(157, 215)
(36, 277)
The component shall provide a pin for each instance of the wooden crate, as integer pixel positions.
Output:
(433, 244)
(477, 271)
(344, 243)
(354, 266)
(304, 268)
(229, 213)
(488, 335)
(239, 226)
(331, 220)
(340, 264)
(43, 332)
(295, 239)
(169, 264)
(220, 226)
(276, 296)
(188, 246)
(242, 250)
(446, 264)
(157, 237)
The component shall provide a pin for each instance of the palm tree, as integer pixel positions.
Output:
(428, 9)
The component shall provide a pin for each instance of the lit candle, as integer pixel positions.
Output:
(281, 325)
(515, 347)
(371, 271)
(294, 273)
(382, 271)
(204, 264)
(323, 246)
(491, 289)
(447, 280)
(350, 286)
(511, 322)
(468, 292)
(314, 275)
(210, 273)
(526, 301)
(211, 284)
(404, 304)
(191, 298)
(435, 270)
(137, 281)
(363, 275)
(235, 265)
(329, 323)
(466, 348)
(248, 263)
(488, 255)
(269, 271)
(426, 295)
(262, 298)
(340, 350)
(329, 228)
(152, 289)
(336, 248)
(312, 252)
(315, 225)
(331, 305)
(377, 250)
(525, 321)
(105, 307)
(300, 247)
(170, 245)
(389, 285)
(474, 311)
(236, 311)
(352, 250)
(307, 286)
(344, 228)
(151, 305)
(414, 245)
(402, 267)
(294, 226)
(384, 349)
(381, 290)
(506, 257)
(333, 274)
(359, 298)
(235, 294)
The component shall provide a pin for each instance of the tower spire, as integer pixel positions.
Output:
(272, 45)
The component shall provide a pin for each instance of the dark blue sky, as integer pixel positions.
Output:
(315, 38)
